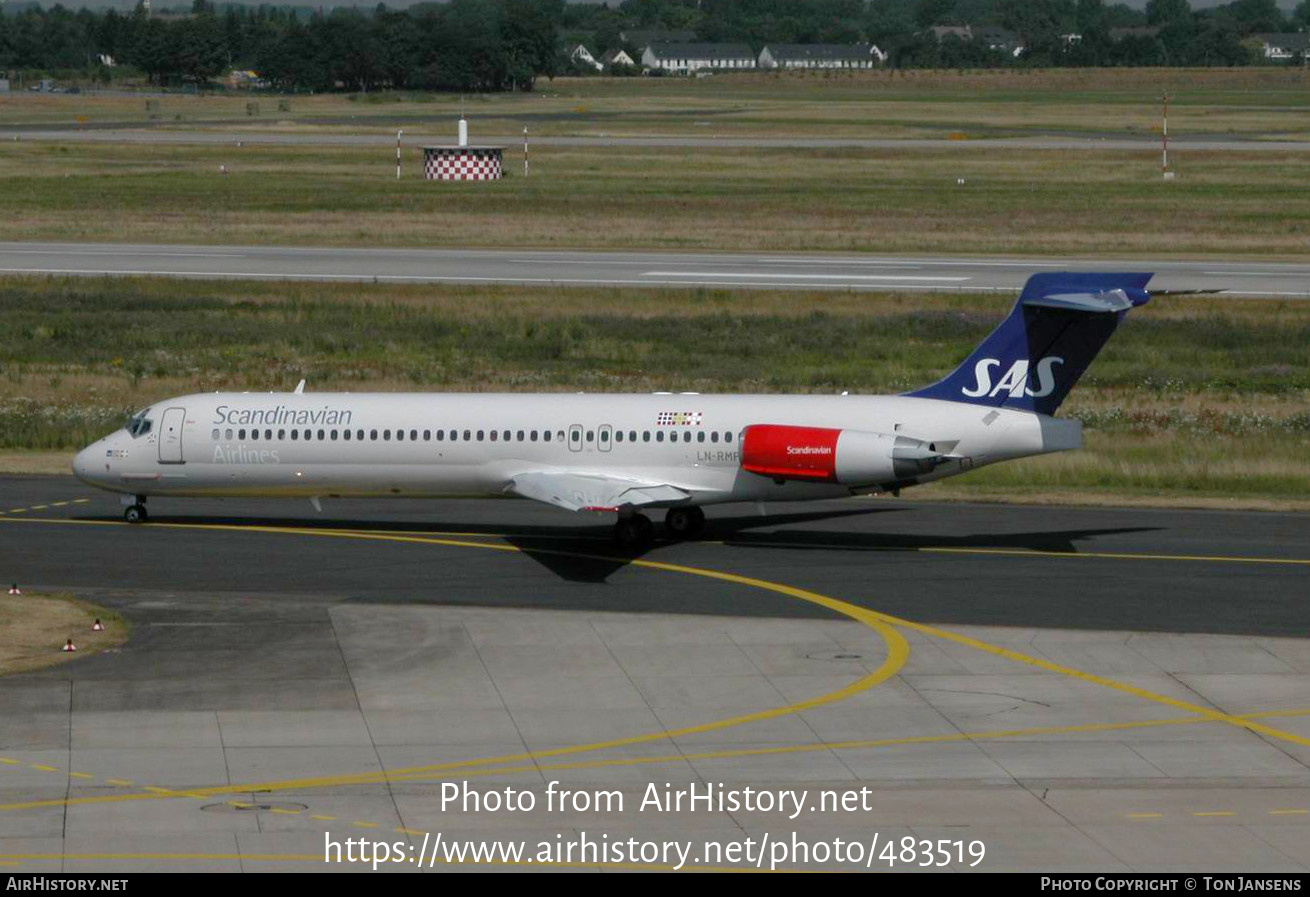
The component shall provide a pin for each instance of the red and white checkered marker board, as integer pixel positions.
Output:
(461, 164)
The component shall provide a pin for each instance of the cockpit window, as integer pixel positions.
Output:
(139, 425)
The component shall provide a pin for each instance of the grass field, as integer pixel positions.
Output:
(1071, 203)
(33, 629)
(1254, 102)
(1202, 398)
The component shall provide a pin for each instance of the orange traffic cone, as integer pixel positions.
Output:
(69, 647)
(97, 626)
(14, 590)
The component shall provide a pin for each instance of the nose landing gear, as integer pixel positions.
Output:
(135, 511)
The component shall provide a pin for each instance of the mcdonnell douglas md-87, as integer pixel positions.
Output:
(627, 453)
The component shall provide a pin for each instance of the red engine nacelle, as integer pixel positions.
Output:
(823, 455)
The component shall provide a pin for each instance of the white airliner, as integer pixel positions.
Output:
(626, 453)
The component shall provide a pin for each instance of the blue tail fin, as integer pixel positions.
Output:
(1036, 355)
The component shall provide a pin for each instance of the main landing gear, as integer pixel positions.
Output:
(635, 533)
(136, 511)
(685, 522)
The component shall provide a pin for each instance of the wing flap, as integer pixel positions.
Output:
(592, 492)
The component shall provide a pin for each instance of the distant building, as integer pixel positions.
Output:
(246, 79)
(683, 59)
(617, 56)
(963, 32)
(582, 57)
(820, 56)
(1283, 46)
(1000, 39)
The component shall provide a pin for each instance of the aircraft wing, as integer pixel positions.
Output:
(576, 491)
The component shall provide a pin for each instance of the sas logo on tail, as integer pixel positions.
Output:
(1016, 379)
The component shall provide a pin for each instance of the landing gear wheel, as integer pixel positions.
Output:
(685, 522)
(634, 534)
(136, 514)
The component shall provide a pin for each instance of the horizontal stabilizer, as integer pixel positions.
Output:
(1109, 301)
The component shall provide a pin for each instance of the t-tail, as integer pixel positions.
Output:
(1036, 355)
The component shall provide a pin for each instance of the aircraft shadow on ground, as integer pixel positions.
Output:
(584, 552)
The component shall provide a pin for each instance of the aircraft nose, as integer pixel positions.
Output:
(83, 465)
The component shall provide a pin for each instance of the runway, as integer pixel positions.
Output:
(777, 271)
(261, 136)
(1077, 688)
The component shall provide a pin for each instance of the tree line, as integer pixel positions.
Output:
(494, 45)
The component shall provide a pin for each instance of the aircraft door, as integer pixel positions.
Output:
(575, 438)
(603, 436)
(170, 436)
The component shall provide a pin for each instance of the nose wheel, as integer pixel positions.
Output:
(634, 533)
(136, 512)
(685, 522)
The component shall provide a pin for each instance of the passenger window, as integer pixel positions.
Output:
(427, 435)
(700, 437)
(254, 435)
(373, 435)
(727, 437)
(618, 435)
(229, 434)
(467, 435)
(632, 436)
(604, 435)
(441, 435)
(645, 435)
(241, 434)
(714, 436)
(281, 434)
(576, 435)
(386, 435)
(214, 435)
(309, 434)
(481, 435)
(520, 435)
(591, 436)
(493, 435)
(345, 434)
(534, 435)
(506, 435)
(268, 434)
(334, 435)
(295, 435)
(413, 435)
(320, 435)
(686, 437)
(659, 436)
(359, 434)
